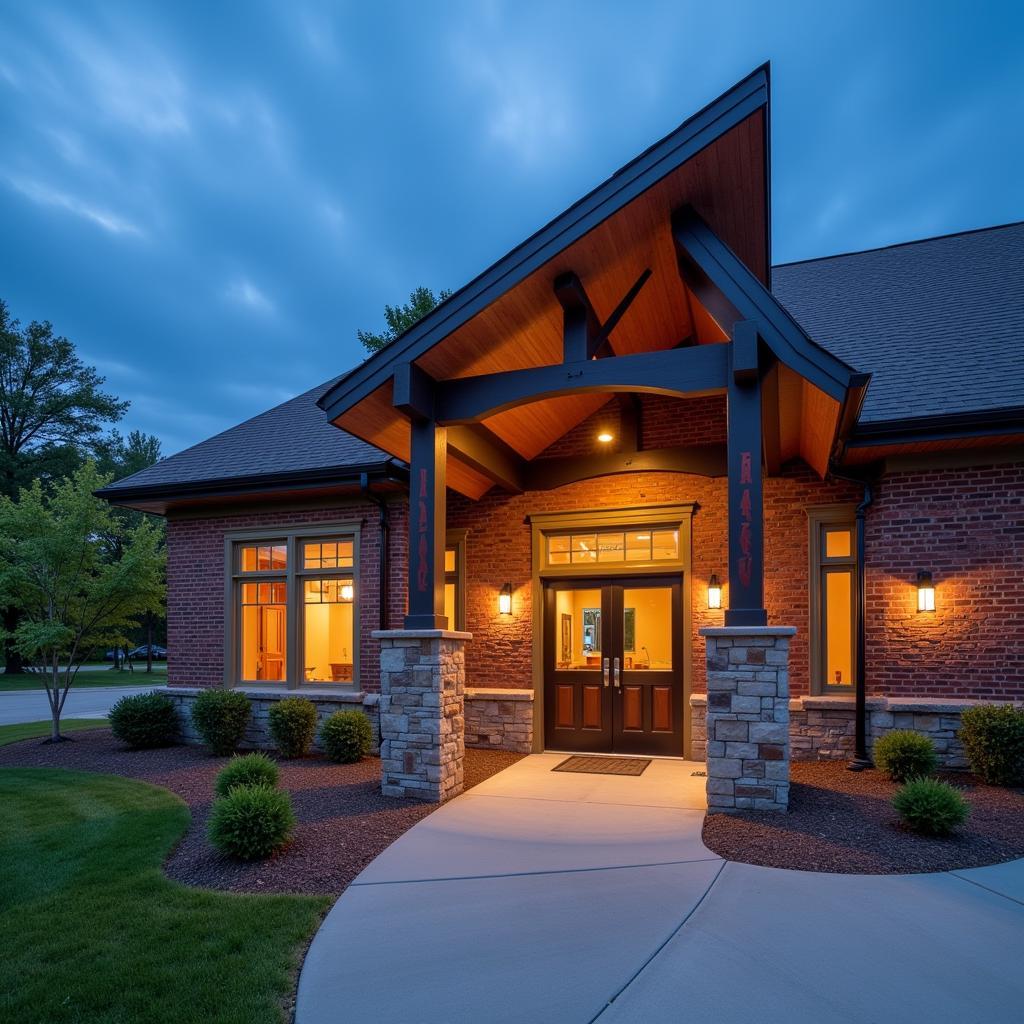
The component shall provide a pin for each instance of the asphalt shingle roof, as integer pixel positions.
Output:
(938, 323)
(293, 436)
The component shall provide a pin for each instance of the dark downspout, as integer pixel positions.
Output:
(384, 559)
(861, 760)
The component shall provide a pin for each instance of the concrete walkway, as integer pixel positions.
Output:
(543, 896)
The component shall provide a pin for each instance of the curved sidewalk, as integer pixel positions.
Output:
(541, 896)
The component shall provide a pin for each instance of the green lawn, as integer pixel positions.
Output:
(90, 677)
(27, 730)
(93, 931)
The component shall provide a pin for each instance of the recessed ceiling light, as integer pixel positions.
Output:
(604, 437)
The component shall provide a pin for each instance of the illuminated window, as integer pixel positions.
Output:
(610, 546)
(833, 600)
(294, 611)
(454, 580)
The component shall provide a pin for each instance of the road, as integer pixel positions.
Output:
(88, 702)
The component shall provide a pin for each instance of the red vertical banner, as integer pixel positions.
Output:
(745, 561)
(423, 528)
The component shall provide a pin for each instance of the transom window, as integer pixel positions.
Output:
(294, 602)
(610, 546)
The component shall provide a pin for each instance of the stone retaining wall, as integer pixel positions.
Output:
(499, 719)
(257, 734)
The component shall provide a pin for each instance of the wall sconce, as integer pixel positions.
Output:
(925, 592)
(347, 591)
(714, 592)
(505, 600)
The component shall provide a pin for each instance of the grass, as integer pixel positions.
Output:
(89, 677)
(29, 730)
(93, 932)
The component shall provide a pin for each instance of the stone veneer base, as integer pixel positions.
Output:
(422, 712)
(257, 733)
(747, 717)
(499, 719)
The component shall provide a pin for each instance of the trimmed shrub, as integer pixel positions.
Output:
(346, 736)
(903, 754)
(220, 717)
(293, 725)
(931, 807)
(993, 739)
(145, 720)
(247, 770)
(251, 822)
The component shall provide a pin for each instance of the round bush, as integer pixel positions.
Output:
(247, 770)
(144, 720)
(931, 807)
(903, 754)
(251, 822)
(346, 736)
(993, 739)
(293, 725)
(220, 718)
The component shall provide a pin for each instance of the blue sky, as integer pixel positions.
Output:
(209, 198)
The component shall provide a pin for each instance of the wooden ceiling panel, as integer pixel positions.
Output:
(532, 428)
(818, 422)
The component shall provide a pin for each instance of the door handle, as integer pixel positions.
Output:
(615, 672)
(605, 671)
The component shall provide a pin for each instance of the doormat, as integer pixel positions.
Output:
(603, 765)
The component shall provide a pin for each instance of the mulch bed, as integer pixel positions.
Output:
(343, 820)
(843, 822)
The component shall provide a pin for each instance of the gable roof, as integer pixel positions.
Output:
(939, 323)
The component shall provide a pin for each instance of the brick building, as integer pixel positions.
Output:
(646, 467)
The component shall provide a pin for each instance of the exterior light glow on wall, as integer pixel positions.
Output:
(347, 591)
(605, 438)
(505, 600)
(714, 592)
(925, 592)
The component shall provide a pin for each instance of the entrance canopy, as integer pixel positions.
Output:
(638, 287)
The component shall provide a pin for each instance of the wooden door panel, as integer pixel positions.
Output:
(632, 708)
(661, 708)
(564, 714)
(593, 710)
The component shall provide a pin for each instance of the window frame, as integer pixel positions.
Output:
(456, 540)
(294, 575)
(818, 520)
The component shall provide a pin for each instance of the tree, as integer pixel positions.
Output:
(401, 318)
(74, 591)
(120, 457)
(52, 413)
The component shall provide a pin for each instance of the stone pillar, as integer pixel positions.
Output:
(748, 717)
(422, 715)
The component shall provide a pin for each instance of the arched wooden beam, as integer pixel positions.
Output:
(701, 369)
(702, 460)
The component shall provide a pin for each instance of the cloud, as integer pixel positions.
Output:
(44, 195)
(243, 292)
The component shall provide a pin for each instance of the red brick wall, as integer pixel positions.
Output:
(195, 591)
(966, 526)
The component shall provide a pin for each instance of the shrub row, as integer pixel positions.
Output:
(251, 818)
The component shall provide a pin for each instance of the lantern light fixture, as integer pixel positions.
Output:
(505, 600)
(925, 592)
(605, 437)
(714, 592)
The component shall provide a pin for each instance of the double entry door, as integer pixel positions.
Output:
(613, 674)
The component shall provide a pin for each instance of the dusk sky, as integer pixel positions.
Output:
(210, 198)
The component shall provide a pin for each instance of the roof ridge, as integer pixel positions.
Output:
(900, 245)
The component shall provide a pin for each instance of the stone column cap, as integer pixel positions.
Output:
(736, 631)
(420, 634)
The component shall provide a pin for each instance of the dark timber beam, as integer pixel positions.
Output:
(770, 426)
(476, 446)
(721, 281)
(583, 334)
(630, 412)
(702, 460)
(745, 490)
(427, 518)
(697, 370)
(413, 391)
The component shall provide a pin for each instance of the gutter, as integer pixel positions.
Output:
(980, 423)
